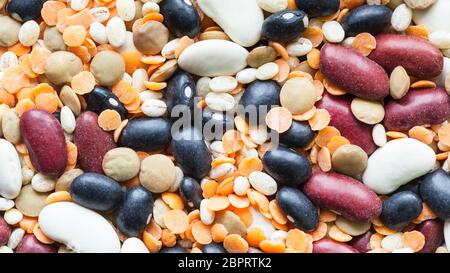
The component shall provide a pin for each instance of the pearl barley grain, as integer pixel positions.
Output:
(333, 32)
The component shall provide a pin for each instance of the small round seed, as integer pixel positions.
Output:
(370, 112)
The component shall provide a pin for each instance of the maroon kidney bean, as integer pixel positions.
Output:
(30, 244)
(45, 141)
(418, 56)
(92, 142)
(342, 118)
(355, 73)
(362, 242)
(5, 231)
(327, 245)
(427, 106)
(433, 230)
(343, 194)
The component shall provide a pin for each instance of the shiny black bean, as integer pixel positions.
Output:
(181, 17)
(259, 97)
(298, 207)
(146, 134)
(287, 166)
(316, 8)
(216, 123)
(400, 209)
(368, 18)
(96, 191)
(284, 26)
(191, 152)
(413, 186)
(435, 191)
(214, 248)
(101, 98)
(299, 135)
(191, 192)
(133, 212)
(25, 10)
(180, 94)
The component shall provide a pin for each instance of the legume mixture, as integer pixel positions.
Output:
(349, 155)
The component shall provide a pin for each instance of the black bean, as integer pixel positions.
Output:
(25, 10)
(299, 135)
(146, 134)
(413, 186)
(180, 94)
(284, 26)
(368, 18)
(400, 209)
(296, 206)
(214, 248)
(191, 152)
(216, 123)
(317, 8)
(175, 249)
(435, 191)
(57, 115)
(96, 191)
(191, 192)
(134, 210)
(181, 17)
(101, 98)
(259, 97)
(287, 166)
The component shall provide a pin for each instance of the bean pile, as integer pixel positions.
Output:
(350, 154)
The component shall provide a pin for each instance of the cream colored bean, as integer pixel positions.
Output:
(13, 216)
(159, 211)
(150, 7)
(42, 183)
(369, 112)
(168, 51)
(246, 76)
(222, 170)
(220, 101)
(279, 236)
(272, 6)
(348, 42)
(8, 59)
(15, 238)
(440, 39)
(258, 134)
(6, 204)
(5, 249)
(267, 71)
(68, 121)
(206, 215)
(139, 77)
(217, 149)
(154, 108)
(202, 86)
(300, 48)
(401, 17)
(27, 175)
(241, 185)
(29, 33)
(147, 95)
(179, 177)
(223, 84)
(78, 5)
(399, 82)
(116, 32)
(333, 32)
(263, 183)
(100, 14)
(126, 9)
(379, 135)
(392, 242)
(98, 33)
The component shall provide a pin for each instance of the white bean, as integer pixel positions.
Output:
(78, 5)
(202, 86)
(333, 32)
(116, 32)
(68, 121)
(13, 216)
(6, 204)
(100, 14)
(148, 95)
(5, 249)
(98, 33)
(300, 48)
(263, 183)
(222, 170)
(150, 7)
(220, 101)
(140, 76)
(440, 39)
(29, 33)
(15, 238)
(267, 71)
(8, 59)
(223, 84)
(42, 183)
(273, 6)
(168, 51)
(379, 135)
(241, 185)
(246, 76)
(206, 215)
(126, 9)
(392, 242)
(401, 17)
(154, 108)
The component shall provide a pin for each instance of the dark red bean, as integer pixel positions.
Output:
(427, 106)
(433, 230)
(343, 194)
(92, 142)
(327, 245)
(355, 73)
(418, 56)
(30, 244)
(45, 141)
(362, 242)
(342, 118)
(5, 231)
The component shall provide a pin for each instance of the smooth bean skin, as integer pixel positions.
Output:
(433, 230)
(180, 17)
(134, 210)
(260, 96)
(45, 141)
(96, 191)
(180, 93)
(368, 18)
(215, 122)
(362, 242)
(287, 166)
(413, 186)
(400, 209)
(318, 8)
(298, 207)
(191, 153)
(5, 231)
(191, 192)
(435, 191)
(355, 73)
(299, 135)
(146, 134)
(355, 131)
(284, 26)
(30, 244)
(175, 249)
(25, 10)
(101, 98)
(343, 194)
(327, 245)
(214, 248)
(92, 142)
(426, 106)
(418, 56)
